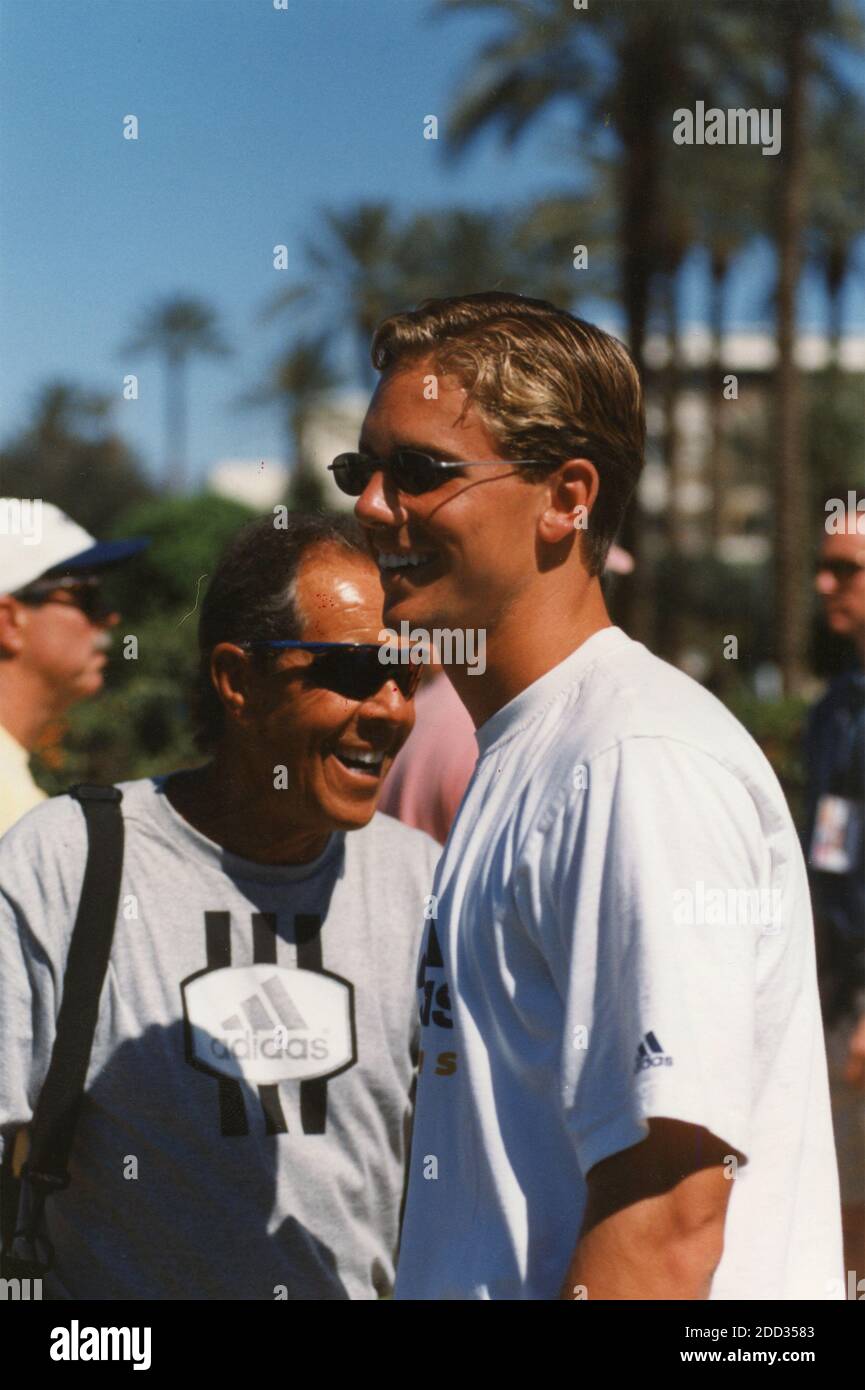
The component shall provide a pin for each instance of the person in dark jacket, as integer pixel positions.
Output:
(835, 845)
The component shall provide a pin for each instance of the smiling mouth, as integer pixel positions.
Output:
(365, 763)
(410, 562)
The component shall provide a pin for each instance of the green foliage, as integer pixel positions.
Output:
(187, 536)
(777, 726)
(306, 493)
(69, 455)
(139, 725)
(700, 601)
(836, 435)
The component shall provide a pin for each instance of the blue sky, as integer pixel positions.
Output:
(251, 121)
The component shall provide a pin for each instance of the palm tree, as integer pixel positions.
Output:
(790, 489)
(69, 454)
(724, 201)
(64, 411)
(809, 82)
(300, 381)
(788, 63)
(350, 265)
(626, 64)
(177, 330)
(365, 263)
(837, 184)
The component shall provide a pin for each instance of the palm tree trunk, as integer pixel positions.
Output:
(716, 399)
(835, 276)
(175, 422)
(668, 621)
(790, 489)
(639, 194)
(305, 488)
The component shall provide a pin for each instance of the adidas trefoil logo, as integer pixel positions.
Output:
(651, 1054)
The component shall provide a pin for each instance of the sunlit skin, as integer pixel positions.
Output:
(51, 656)
(275, 717)
(504, 555)
(844, 598)
(504, 552)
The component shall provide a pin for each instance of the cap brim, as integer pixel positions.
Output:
(102, 556)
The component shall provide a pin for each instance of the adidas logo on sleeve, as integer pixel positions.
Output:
(651, 1054)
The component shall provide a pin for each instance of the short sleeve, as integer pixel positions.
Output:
(26, 1020)
(654, 886)
(41, 867)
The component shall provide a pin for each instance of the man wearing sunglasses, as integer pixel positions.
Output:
(621, 959)
(256, 1044)
(835, 843)
(54, 632)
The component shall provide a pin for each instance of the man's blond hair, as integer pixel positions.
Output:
(547, 385)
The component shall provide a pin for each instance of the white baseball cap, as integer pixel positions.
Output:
(37, 539)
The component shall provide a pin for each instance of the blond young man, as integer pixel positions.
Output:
(623, 1092)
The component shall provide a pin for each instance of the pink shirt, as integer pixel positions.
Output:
(426, 783)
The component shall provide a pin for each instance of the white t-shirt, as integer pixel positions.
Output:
(622, 931)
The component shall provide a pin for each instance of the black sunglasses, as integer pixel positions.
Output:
(352, 669)
(410, 470)
(85, 594)
(841, 570)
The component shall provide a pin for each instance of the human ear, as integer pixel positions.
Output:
(230, 672)
(13, 623)
(573, 491)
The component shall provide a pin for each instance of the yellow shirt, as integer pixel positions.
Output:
(18, 791)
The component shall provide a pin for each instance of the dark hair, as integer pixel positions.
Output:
(548, 385)
(252, 594)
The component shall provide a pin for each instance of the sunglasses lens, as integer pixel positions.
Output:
(414, 473)
(358, 674)
(839, 569)
(91, 603)
(407, 679)
(351, 473)
(350, 674)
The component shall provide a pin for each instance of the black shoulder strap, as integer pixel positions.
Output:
(53, 1125)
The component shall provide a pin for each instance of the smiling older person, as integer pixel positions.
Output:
(256, 1041)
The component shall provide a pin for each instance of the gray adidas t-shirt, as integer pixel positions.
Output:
(244, 1129)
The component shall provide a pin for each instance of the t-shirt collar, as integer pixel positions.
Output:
(526, 706)
(233, 864)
